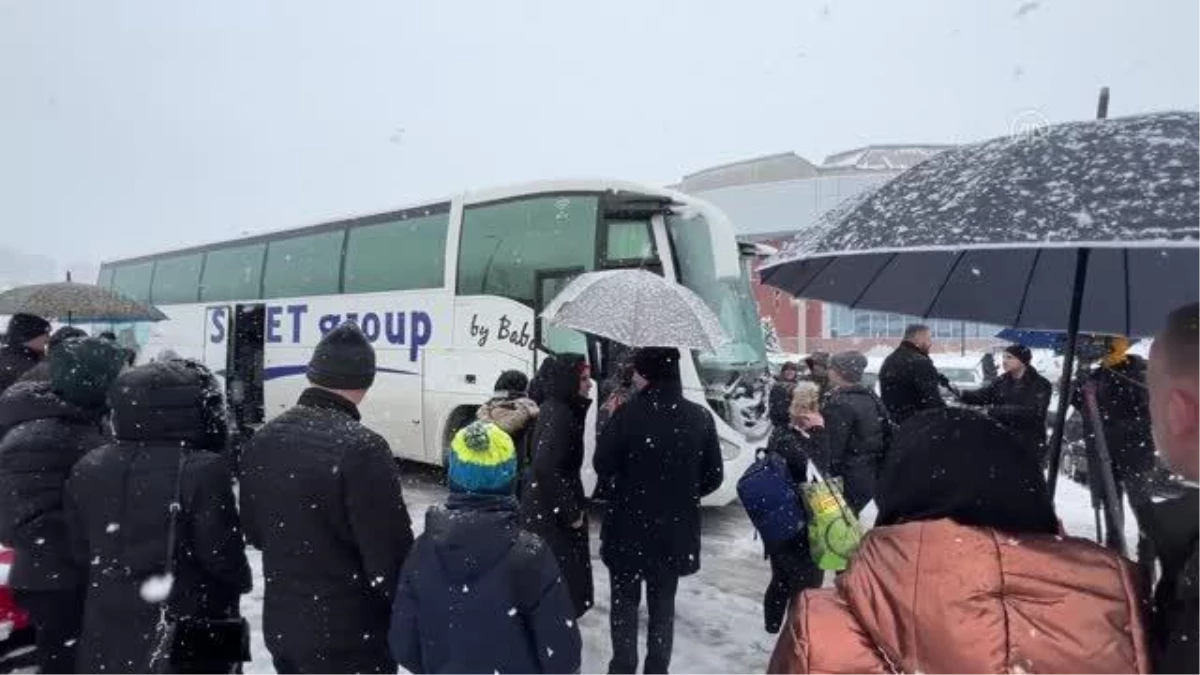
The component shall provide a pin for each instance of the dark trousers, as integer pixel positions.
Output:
(57, 618)
(792, 570)
(623, 619)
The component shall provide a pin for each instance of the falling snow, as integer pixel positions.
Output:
(157, 588)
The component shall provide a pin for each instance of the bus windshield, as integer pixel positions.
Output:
(730, 298)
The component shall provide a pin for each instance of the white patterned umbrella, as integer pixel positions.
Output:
(636, 308)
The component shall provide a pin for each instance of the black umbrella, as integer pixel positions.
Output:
(1089, 226)
(78, 303)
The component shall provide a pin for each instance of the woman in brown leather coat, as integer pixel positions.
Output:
(966, 572)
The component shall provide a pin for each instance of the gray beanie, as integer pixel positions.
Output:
(850, 365)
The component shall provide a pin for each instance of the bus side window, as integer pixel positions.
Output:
(505, 245)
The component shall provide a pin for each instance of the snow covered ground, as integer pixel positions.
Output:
(718, 626)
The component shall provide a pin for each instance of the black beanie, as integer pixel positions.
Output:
(657, 364)
(1020, 352)
(83, 369)
(25, 327)
(343, 360)
(959, 464)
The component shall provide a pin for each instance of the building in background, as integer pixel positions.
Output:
(771, 198)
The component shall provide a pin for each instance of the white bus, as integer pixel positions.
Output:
(448, 292)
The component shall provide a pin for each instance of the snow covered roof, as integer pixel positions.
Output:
(883, 157)
(774, 196)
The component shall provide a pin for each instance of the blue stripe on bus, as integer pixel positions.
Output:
(276, 372)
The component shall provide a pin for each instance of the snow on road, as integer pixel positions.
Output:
(718, 624)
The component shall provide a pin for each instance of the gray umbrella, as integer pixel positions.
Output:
(1088, 226)
(636, 308)
(77, 303)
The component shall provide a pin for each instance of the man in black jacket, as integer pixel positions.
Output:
(1174, 526)
(25, 346)
(320, 496)
(660, 455)
(857, 429)
(45, 428)
(908, 380)
(1019, 399)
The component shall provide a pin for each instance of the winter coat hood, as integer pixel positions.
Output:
(25, 401)
(779, 404)
(169, 401)
(988, 603)
(464, 534)
(512, 413)
(558, 379)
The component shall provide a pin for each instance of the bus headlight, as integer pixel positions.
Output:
(729, 450)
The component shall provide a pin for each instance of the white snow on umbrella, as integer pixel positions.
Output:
(636, 308)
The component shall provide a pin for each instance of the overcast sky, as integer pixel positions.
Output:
(128, 127)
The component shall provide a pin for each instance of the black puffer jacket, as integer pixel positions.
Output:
(41, 438)
(1020, 404)
(552, 497)
(857, 430)
(660, 454)
(118, 501)
(321, 498)
(15, 360)
(908, 382)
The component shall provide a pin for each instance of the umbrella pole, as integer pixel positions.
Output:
(1064, 394)
(1064, 401)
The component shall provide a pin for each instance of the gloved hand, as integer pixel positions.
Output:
(945, 382)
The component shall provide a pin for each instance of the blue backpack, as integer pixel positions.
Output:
(768, 493)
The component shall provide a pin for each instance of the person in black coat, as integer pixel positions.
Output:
(45, 428)
(478, 594)
(857, 429)
(798, 438)
(553, 505)
(658, 455)
(908, 380)
(1019, 399)
(41, 372)
(167, 418)
(1124, 401)
(24, 347)
(321, 497)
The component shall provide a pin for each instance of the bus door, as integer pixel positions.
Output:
(552, 339)
(244, 362)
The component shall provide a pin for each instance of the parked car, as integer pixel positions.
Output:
(16, 633)
(964, 372)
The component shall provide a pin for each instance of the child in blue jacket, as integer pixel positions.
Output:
(478, 594)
